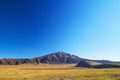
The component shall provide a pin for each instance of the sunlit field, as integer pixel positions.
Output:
(56, 72)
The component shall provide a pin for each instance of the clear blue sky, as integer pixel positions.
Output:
(87, 28)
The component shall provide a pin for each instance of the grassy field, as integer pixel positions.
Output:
(56, 72)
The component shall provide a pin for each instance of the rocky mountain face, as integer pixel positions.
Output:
(54, 58)
(58, 58)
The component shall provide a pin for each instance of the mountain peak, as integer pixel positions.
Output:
(59, 52)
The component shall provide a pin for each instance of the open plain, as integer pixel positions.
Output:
(56, 72)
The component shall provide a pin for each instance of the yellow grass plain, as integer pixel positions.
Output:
(56, 72)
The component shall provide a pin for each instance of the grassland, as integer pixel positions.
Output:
(56, 72)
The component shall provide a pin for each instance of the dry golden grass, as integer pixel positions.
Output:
(56, 72)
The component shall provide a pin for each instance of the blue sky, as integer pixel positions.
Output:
(87, 28)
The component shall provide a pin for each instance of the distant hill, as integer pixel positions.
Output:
(93, 64)
(107, 61)
(87, 63)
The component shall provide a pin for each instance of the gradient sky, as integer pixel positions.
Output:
(87, 28)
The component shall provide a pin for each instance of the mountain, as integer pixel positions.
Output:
(53, 58)
(58, 58)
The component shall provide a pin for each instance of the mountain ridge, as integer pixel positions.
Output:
(59, 57)
(53, 58)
